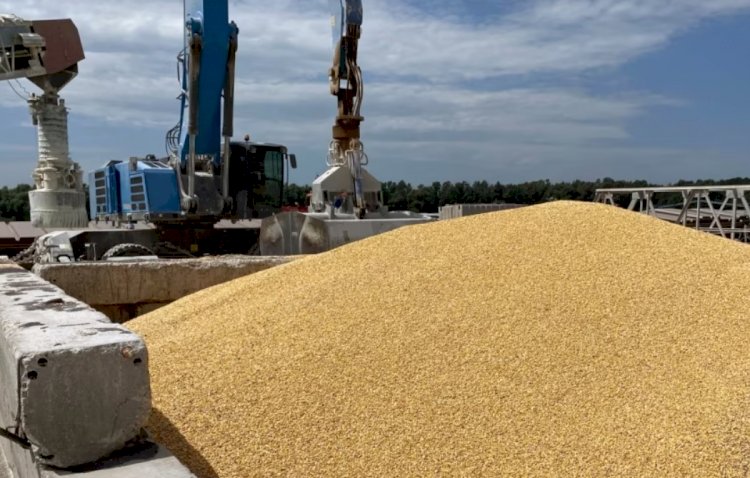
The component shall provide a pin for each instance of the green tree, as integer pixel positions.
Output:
(14, 203)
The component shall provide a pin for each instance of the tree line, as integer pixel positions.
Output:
(401, 195)
(14, 203)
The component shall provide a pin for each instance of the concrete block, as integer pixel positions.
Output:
(4, 468)
(19, 460)
(123, 290)
(453, 211)
(73, 385)
(145, 460)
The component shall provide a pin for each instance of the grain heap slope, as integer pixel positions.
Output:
(565, 339)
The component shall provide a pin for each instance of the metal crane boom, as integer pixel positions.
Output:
(345, 75)
(207, 76)
(192, 188)
(26, 53)
(346, 202)
(346, 149)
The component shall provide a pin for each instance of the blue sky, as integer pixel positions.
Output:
(503, 91)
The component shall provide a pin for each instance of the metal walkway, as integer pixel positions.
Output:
(722, 210)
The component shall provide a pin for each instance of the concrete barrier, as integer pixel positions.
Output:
(125, 289)
(453, 211)
(74, 389)
(4, 468)
(146, 460)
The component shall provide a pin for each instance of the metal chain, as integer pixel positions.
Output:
(28, 253)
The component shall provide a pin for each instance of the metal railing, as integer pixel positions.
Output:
(722, 210)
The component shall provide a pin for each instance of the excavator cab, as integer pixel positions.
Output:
(147, 188)
(257, 173)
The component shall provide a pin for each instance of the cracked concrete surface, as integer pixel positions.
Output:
(66, 373)
(124, 290)
(4, 470)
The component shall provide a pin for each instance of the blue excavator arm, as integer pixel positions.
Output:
(193, 185)
(344, 13)
(207, 73)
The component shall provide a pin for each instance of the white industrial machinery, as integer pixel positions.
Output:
(47, 52)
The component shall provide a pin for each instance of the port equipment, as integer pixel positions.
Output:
(721, 210)
(47, 52)
(346, 202)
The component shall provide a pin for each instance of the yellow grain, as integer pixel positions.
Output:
(566, 339)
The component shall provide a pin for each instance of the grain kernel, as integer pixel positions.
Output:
(566, 339)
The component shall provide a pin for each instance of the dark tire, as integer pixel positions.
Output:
(167, 250)
(127, 250)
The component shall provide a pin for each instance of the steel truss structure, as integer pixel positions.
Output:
(722, 210)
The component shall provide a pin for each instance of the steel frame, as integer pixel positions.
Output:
(696, 205)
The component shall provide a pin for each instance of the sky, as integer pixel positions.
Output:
(496, 90)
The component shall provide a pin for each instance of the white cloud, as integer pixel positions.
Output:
(542, 36)
(419, 66)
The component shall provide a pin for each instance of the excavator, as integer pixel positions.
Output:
(206, 177)
(346, 202)
(204, 197)
(191, 201)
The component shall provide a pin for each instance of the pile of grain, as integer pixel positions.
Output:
(567, 339)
